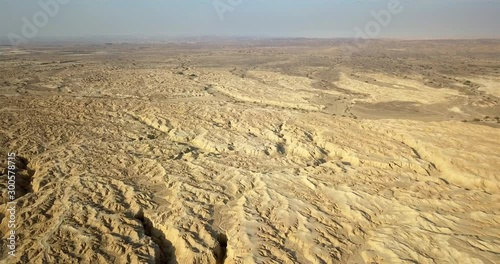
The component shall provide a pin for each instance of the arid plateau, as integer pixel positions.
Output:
(252, 151)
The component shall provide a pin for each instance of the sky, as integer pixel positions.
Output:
(260, 18)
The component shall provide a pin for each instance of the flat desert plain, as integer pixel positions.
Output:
(252, 151)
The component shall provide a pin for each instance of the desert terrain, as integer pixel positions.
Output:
(253, 151)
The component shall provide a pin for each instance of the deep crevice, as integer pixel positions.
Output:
(166, 251)
(23, 176)
(220, 251)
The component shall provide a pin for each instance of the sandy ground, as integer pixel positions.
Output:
(279, 152)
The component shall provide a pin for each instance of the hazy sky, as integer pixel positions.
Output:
(301, 18)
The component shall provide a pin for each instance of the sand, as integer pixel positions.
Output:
(158, 155)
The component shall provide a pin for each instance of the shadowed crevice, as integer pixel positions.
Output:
(23, 176)
(220, 251)
(165, 253)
